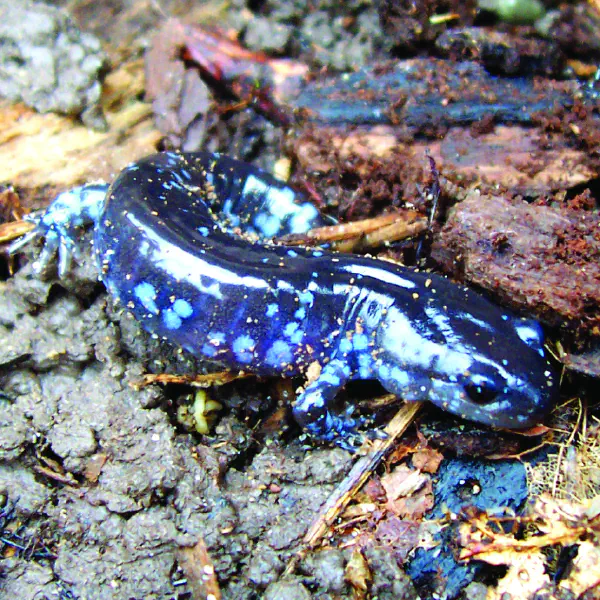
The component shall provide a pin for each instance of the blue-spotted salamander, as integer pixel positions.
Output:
(167, 254)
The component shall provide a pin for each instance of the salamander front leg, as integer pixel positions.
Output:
(59, 224)
(311, 409)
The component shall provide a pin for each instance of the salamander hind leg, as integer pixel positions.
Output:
(311, 409)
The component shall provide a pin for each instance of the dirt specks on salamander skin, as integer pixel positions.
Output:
(188, 278)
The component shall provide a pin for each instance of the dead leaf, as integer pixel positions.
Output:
(409, 492)
(585, 570)
(427, 459)
(357, 573)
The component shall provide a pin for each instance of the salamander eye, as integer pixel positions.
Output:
(481, 390)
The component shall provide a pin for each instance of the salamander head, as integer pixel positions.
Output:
(472, 359)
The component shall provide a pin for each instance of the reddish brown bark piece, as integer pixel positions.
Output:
(539, 258)
(512, 157)
(587, 363)
(180, 99)
(181, 55)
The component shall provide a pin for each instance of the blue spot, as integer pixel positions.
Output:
(292, 253)
(234, 220)
(384, 372)
(272, 309)
(289, 329)
(300, 313)
(364, 359)
(214, 340)
(306, 298)
(308, 210)
(279, 354)
(401, 377)
(360, 341)
(331, 379)
(317, 253)
(209, 350)
(183, 308)
(300, 222)
(296, 338)
(171, 319)
(285, 285)
(364, 363)
(146, 294)
(216, 337)
(243, 348)
(345, 345)
(267, 224)
(203, 231)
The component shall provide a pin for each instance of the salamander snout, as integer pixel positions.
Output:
(500, 398)
(485, 365)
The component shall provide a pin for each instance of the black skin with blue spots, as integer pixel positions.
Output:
(187, 274)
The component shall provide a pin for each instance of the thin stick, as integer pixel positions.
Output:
(357, 476)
